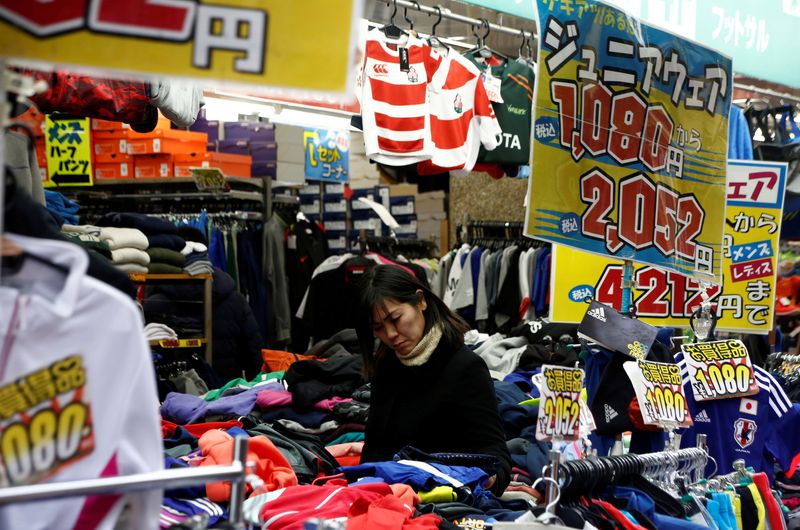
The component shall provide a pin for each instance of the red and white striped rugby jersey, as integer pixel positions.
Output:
(462, 117)
(394, 104)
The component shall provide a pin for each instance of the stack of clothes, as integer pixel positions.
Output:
(195, 252)
(125, 247)
(164, 245)
(158, 331)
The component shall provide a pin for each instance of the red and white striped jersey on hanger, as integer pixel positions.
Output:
(394, 103)
(462, 117)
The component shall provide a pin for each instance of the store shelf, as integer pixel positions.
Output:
(138, 278)
(178, 343)
(256, 182)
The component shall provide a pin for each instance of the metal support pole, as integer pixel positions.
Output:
(552, 485)
(236, 515)
(627, 285)
(702, 443)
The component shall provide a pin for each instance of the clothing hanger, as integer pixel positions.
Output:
(408, 20)
(433, 40)
(391, 30)
(481, 51)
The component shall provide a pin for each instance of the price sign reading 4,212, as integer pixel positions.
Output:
(659, 389)
(719, 370)
(630, 146)
(559, 404)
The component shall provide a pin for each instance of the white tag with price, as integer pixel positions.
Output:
(492, 85)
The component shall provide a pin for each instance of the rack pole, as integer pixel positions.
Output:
(497, 28)
(235, 513)
(552, 485)
(759, 90)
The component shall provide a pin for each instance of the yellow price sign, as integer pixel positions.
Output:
(69, 151)
(560, 403)
(264, 43)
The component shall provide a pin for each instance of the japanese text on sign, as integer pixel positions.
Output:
(746, 300)
(559, 404)
(327, 154)
(629, 150)
(44, 425)
(68, 150)
(210, 179)
(719, 370)
(659, 390)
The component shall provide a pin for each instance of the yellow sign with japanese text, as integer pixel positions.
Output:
(746, 300)
(630, 140)
(69, 151)
(305, 47)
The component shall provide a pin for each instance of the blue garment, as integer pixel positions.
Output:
(62, 206)
(184, 409)
(641, 502)
(251, 277)
(740, 143)
(523, 380)
(715, 510)
(418, 477)
(197, 506)
(758, 429)
(216, 250)
(541, 281)
(726, 509)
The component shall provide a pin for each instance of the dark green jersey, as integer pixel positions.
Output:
(514, 114)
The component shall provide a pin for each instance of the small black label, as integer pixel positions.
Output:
(403, 59)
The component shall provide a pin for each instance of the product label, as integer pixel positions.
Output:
(719, 370)
(209, 179)
(45, 422)
(659, 389)
(559, 404)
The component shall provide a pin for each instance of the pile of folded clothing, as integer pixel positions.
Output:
(158, 331)
(125, 247)
(164, 245)
(195, 252)
(63, 209)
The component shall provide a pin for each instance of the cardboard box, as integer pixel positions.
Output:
(112, 170)
(107, 125)
(334, 203)
(264, 169)
(335, 221)
(398, 190)
(288, 172)
(264, 151)
(169, 141)
(110, 146)
(402, 205)
(245, 130)
(152, 166)
(234, 147)
(230, 165)
(311, 208)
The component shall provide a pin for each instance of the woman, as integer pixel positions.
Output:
(429, 391)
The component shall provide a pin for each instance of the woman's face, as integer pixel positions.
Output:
(399, 326)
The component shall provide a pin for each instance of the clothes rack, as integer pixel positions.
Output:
(491, 26)
(167, 479)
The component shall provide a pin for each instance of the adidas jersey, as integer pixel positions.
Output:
(759, 429)
(513, 115)
(394, 103)
(462, 118)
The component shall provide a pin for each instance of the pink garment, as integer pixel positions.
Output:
(347, 449)
(268, 399)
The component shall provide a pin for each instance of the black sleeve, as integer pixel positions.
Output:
(477, 402)
(250, 340)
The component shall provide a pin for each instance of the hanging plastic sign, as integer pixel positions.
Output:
(45, 424)
(68, 151)
(630, 140)
(260, 43)
(659, 390)
(210, 180)
(559, 404)
(617, 332)
(719, 370)
(327, 154)
(746, 300)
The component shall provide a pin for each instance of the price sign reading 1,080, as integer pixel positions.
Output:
(559, 405)
(719, 370)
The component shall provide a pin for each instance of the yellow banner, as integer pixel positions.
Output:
(746, 300)
(306, 46)
(69, 151)
(630, 140)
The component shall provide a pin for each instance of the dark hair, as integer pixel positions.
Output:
(392, 282)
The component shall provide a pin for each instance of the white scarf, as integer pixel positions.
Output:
(424, 349)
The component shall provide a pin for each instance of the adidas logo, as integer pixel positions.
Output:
(599, 313)
(610, 413)
(702, 417)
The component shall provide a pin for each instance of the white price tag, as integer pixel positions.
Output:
(492, 85)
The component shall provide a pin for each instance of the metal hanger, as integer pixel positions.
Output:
(391, 30)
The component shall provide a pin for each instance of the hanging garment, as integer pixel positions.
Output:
(179, 101)
(20, 160)
(275, 234)
(393, 97)
(102, 379)
(461, 117)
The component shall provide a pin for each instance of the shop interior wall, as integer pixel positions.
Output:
(479, 197)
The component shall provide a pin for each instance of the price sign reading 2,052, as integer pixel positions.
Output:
(629, 150)
(559, 404)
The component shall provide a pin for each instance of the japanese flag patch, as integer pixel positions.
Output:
(748, 406)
